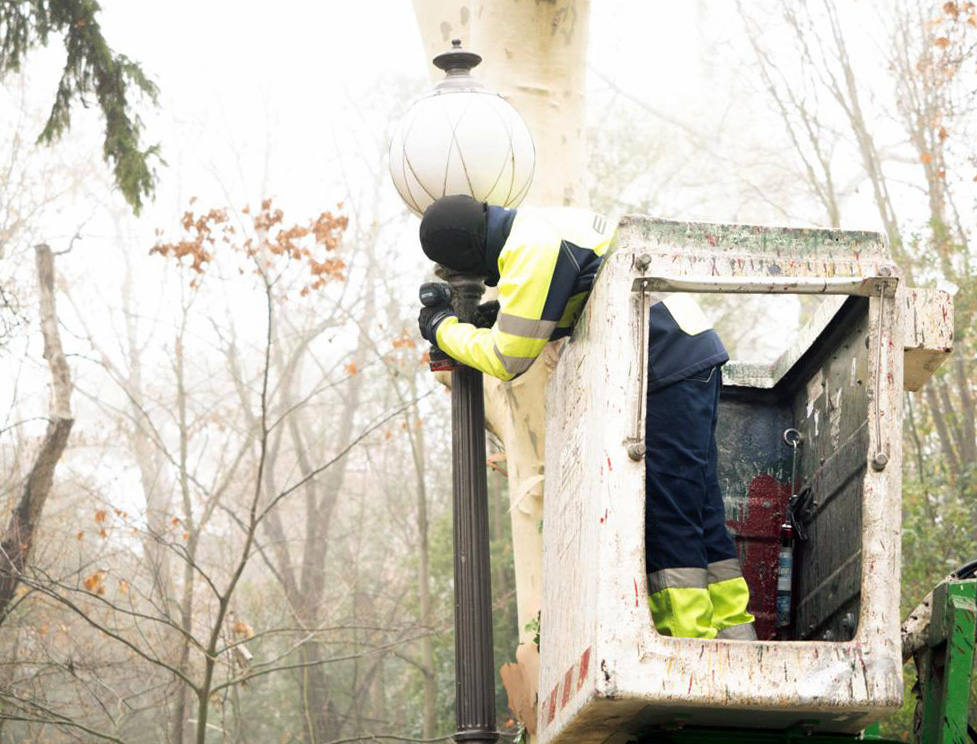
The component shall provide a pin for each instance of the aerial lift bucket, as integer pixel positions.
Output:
(605, 673)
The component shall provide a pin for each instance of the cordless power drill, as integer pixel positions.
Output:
(437, 294)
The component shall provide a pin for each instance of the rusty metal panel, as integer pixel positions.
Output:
(603, 666)
(831, 410)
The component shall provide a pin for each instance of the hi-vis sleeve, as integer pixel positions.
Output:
(526, 269)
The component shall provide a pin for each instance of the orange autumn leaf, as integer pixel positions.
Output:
(351, 369)
(942, 42)
(926, 158)
(404, 341)
(273, 244)
(94, 583)
(100, 516)
(242, 628)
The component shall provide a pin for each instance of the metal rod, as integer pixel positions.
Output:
(864, 286)
(881, 458)
(636, 443)
(474, 664)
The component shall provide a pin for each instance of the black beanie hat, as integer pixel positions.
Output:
(453, 233)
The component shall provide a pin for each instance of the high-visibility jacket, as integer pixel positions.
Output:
(546, 268)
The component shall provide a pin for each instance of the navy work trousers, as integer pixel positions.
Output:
(685, 523)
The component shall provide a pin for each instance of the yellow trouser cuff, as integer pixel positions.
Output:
(729, 600)
(683, 612)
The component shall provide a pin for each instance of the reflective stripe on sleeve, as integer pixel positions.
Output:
(514, 365)
(537, 329)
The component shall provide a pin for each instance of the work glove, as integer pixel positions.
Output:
(430, 318)
(485, 314)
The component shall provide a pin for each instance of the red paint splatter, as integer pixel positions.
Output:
(567, 687)
(635, 591)
(756, 527)
(551, 713)
(609, 466)
(584, 668)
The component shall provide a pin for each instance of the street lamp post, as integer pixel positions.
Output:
(474, 664)
(462, 139)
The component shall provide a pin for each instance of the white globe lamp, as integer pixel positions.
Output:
(461, 139)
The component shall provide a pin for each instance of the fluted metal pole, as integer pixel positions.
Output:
(474, 663)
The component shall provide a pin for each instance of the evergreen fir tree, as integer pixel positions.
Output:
(91, 70)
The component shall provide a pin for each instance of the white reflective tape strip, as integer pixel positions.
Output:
(541, 329)
(676, 578)
(687, 314)
(725, 570)
(744, 632)
(514, 365)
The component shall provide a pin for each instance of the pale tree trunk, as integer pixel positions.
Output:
(440, 21)
(181, 728)
(304, 584)
(535, 57)
(18, 539)
(534, 54)
(152, 476)
(418, 451)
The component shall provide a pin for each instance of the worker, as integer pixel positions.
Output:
(544, 261)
